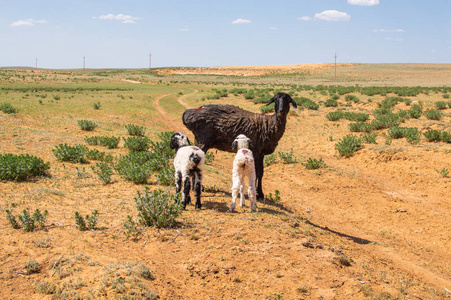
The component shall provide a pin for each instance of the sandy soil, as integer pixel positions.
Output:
(374, 226)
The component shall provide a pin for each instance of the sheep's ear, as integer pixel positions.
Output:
(273, 99)
(293, 103)
(234, 144)
(250, 143)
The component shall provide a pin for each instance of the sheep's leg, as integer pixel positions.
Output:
(242, 199)
(251, 191)
(186, 198)
(178, 183)
(259, 175)
(198, 190)
(235, 190)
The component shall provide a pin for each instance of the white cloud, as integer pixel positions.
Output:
(332, 15)
(184, 29)
(241, 21)
(388, 30)
(363, 2)
(305, 18)
(27, 22)
(125, 19)
(272, 28)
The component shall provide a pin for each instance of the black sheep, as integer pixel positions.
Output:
(217, 126)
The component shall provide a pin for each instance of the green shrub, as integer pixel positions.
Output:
(369, 138)
(287, 157)
(131, 228)
(28, 222)
(359, 117)
(74, 154)
(412, 135)
(89, 223)
(104, 172)
(445, 96)
(135, 130)
(93, 140)
(157, 208)
(335, 115)
(446, 137)
(95, 154)
(96, 106)
(348, 145)
(434, 115)
(136, 167)
(87, 125)
(137, 143)
(32, 267)
(440, 105)
(267, 109)
(56, 97)
(209, 157)
(109, 142)
(21, 167)
(433, 135)
(416, 111)
(360, 127)
(276, 197)
(270, 159)
(331, 103)
(352, 98)
(7, 108)
(313, 164)
(396, 132)
(385, 121)
(166, 176)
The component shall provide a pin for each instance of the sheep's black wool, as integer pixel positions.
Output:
(217, 126)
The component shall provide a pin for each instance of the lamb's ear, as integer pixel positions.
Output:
(234, 144)
(173, 144)
(271, 101)
(250, 143)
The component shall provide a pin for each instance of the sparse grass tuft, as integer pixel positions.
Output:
(313, 163)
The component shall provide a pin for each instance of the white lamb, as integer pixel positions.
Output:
(188, 164)
(243, 165)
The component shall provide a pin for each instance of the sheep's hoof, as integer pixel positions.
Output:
(198, 206)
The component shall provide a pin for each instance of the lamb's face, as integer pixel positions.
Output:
(178, 140)
(241, 142)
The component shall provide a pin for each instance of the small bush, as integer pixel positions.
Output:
(109, 142)
(335, 115)
(313, 163)
(276, 197)
(28, 222)
(96, 106)
(360, 127)
(166, 176)
(74, 154)
(434, 115)
(440, 105)
(130, 227)
(433, 135)
(157, 208)
(352, 98)
(396, 132)
(270, 159)
(104, 172)
(267, 109)
(135, 130)
(445, 96)
(7, 108)
(446, 137)
(87, 125)
(287, 157)
(416, 111)
(369, 138)
(32, 267)
(90, 222)
(331, 103)
(443, 172)
(209, 157)
(21, 167)
(136, 167)
(93, 140)
(348, 145)
(137, 143)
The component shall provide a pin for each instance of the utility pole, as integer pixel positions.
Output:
(335, 56)
(36, 63)
(84, 65)
(150, 61)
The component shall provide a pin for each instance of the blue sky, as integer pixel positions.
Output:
(122, 34)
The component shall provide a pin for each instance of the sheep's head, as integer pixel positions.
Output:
(178, 140)
(282, 102)
(241, 142)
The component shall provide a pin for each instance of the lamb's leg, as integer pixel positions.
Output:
(235, 190)
(259, 176)
(198, 190)
(178, 183)
(251, 191)
(186, 198)
(242, 199)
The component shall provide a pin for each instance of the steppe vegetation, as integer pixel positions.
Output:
(357, 192)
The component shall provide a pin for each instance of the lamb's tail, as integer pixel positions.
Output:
(195, 158)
